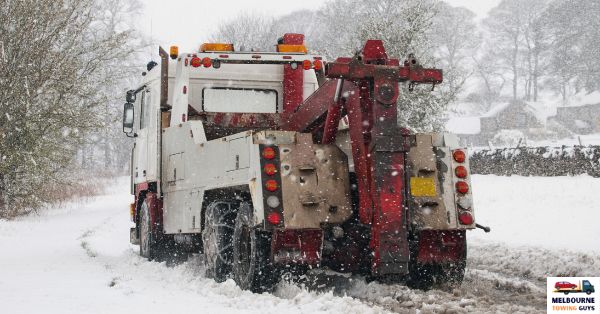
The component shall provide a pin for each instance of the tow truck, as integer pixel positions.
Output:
(268, 162)
(582, 286)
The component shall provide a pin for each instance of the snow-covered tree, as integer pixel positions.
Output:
(59, 60)
(455, 41)
(573, 30)
(341, 27)
(248, 32)
(505, 26)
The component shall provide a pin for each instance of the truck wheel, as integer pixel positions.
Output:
(217, 238)
(149, 246)
(252, 268)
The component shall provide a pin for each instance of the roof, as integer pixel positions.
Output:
(496, 109)
(539, 114)
(464, 125)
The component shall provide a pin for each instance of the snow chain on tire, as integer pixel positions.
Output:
(252, 267)
(217, 237)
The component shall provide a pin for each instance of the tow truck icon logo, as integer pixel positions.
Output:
(567, 287)
(572, 295)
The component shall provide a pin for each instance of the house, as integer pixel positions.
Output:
(514, 115)
(580, 119)
(466, 128)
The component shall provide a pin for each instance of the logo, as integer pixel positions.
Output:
(573, 294)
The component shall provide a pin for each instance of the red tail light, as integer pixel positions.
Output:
(306, 64)
(271, 185)
(207, 62)
(268, 153)
(459, 156)
(461, 172)
(465, 218)
(318, 64)
(274, 218)
(270, 169)
(462, 187)
(196, 62)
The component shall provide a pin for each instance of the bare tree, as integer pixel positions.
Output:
(574, 58)
(248, 33)
(456, 40)
(505, 24)
(340, 27)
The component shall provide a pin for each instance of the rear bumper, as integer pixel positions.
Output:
(297, 246)
(133, 236)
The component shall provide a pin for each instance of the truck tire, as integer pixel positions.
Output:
(252, 267)
(217, 237)
(149, 245)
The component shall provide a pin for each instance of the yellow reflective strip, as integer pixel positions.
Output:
(422, 186)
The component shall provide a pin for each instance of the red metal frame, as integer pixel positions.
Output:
(293, 88)
(370, 83)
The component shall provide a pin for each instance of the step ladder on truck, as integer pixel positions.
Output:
(272, 162)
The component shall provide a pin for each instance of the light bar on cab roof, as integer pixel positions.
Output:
(262, 58)
(216, 47)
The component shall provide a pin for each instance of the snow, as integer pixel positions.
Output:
(582, 98)
(77, 259)
(581, 124)
(496, 109)
(464, 125)
(586, 140)
(549, 212)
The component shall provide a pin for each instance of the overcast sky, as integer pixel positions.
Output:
(188, 22)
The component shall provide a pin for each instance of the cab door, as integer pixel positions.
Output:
(140, 156)
(153, 132)
(146, 154)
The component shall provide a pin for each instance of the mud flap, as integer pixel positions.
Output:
(133, 236)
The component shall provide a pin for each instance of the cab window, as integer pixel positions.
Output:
(143, 110)
(242, 100)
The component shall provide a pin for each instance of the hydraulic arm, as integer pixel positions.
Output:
(365, 88)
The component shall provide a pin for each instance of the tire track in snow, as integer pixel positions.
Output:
(499, 279)
(491, 285)
(132, 275)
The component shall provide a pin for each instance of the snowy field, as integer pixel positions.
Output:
(77, 259)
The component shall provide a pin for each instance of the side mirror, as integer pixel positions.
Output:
(130, 97)
(128, 118)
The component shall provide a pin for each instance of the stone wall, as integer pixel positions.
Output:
(537, 161)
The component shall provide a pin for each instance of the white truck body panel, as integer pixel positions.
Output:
(192, 165)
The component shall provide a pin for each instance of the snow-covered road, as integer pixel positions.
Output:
(77, 259)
